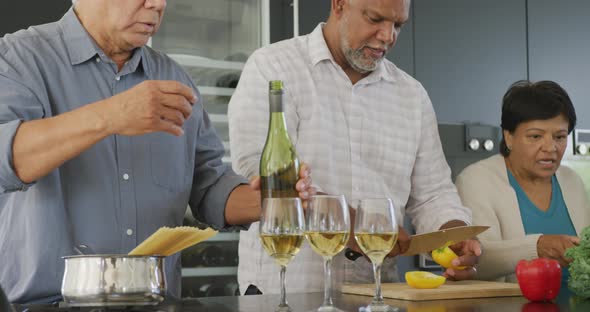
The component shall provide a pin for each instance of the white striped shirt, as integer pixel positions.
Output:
(376, 138)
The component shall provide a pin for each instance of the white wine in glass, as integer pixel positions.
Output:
(282, 227)
(376, 245)
(327, 244)
(375, 231)
(282, 247)
(327, 231)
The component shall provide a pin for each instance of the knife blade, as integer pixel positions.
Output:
(426, 242)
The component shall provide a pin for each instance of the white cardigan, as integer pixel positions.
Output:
(484, 188)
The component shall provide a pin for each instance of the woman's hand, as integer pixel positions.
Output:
(469, 252)
(554, 246)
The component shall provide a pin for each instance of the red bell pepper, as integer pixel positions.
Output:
(539, 279)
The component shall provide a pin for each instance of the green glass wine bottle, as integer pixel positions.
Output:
(279, 164)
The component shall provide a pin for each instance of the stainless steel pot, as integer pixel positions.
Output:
(107, 280)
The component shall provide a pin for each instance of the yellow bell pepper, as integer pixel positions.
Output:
(445, 256)
(424, 280)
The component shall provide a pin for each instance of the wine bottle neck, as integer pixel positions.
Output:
(276, 101)
(277, 124)
(277, 116)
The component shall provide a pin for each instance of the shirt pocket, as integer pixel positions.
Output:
(169, 161)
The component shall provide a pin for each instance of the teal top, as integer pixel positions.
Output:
(556, 220)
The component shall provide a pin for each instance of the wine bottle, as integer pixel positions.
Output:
(279, 164)
(212, 256)
(204, 254)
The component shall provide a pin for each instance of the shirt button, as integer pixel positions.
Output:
(129, 232)
(117, 78)
(125, 177)
(98, 59)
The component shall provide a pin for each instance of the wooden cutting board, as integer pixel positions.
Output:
(449, 290)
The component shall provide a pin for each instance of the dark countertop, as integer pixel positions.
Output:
(308, 302)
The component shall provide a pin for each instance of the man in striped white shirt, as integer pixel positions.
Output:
(366, 128)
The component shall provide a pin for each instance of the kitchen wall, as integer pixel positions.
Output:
(467, 53)
(559, 48)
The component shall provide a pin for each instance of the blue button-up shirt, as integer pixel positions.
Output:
(113, 195)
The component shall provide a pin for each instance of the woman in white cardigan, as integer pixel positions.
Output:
(534, 207)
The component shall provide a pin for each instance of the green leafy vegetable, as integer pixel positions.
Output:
(579, 280)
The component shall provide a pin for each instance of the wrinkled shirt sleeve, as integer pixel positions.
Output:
(248, 117)
(433, 200)
(213, 181)
(17, 104)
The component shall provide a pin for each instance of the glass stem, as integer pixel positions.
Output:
(377, 273)
(327, 282)
(283, 291)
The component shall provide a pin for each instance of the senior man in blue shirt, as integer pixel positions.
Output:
(103, 141)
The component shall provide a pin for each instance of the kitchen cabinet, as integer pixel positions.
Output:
(559, 46)
(24, 13)
(282, 15)
(467, 53)
(402, 53)
(311, 13)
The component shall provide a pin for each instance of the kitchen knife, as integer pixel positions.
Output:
(425, 243)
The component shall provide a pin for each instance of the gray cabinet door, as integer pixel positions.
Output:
(24, 13)
(402, 53)
(559, 49)
(467, 53)
(311, 13)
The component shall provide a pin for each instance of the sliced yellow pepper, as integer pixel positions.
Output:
(424, 280)
(445, 256)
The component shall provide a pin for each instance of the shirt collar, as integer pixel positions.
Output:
(136, 62)
(318, 48)
(382, 72)
(81, 47)
(78, 42)
(319, 51)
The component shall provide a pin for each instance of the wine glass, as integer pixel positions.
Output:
(375, 231)
(327, 230)
(281, 230)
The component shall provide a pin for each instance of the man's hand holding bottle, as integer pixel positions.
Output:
(303, 185)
